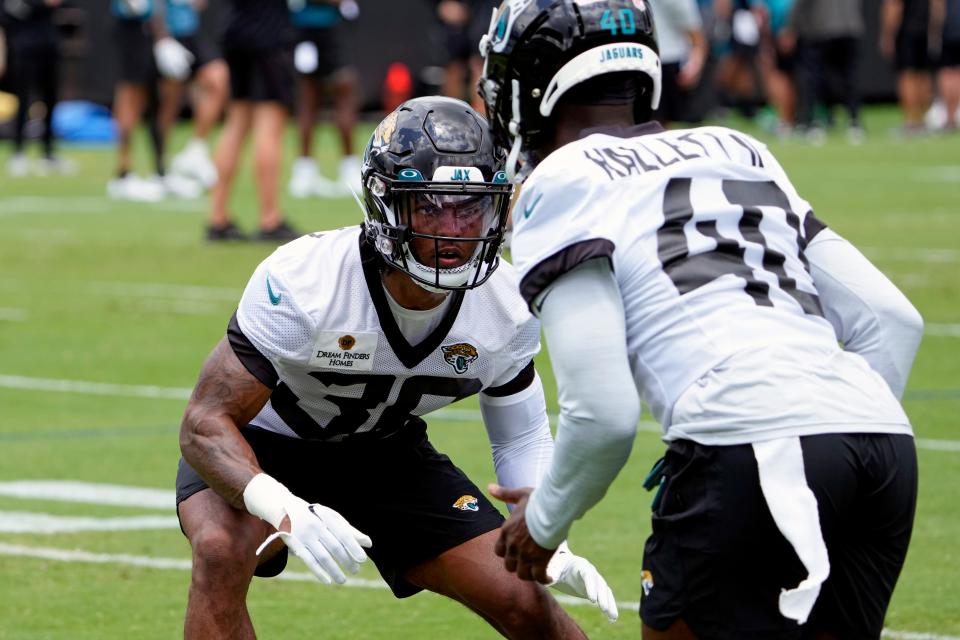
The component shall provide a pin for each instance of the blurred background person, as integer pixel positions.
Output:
(135, 87)
(946, 21)
(208, 80)
(256, 46)
(904, 39)
(683, 52)
(322, 61)
(33, 45)
(737, 76)
(827, 33)
(777, 63)
(462, 24)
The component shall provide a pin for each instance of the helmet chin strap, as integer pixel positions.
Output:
(514, 128)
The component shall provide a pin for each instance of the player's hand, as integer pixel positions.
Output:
(323, 539)
(576, 576)
(173, 59)
(520, 552)
(316, 534)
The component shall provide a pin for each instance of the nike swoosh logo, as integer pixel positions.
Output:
(274, 297)
(529, 209)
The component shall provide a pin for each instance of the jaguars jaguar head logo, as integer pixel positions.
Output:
(466, 503)
(346, 342)
(459, 356)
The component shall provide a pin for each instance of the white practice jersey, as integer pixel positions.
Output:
(705, 233)
(314, 323)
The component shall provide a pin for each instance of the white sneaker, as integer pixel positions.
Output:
(135, 189)
(178, 186)
(350, 174)
(194, 162)
(303, 178)
(56, 166)
(18, 166)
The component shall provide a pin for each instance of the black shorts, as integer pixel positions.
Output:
(400, 491)
(203, 49)
(331, 50)
(949, 55)
(912, 53)
(717, 560)
(261, 75)
(135, 51)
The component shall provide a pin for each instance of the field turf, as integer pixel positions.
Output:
(107, 310)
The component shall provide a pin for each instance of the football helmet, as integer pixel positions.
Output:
(435, 195)
(537, 50)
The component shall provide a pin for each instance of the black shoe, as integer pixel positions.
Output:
(226, 233)
(283, 232)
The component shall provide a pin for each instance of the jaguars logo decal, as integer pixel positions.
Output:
(646, 581)
(466, 503)
(384, 133)
(346, 342)
(459, 356)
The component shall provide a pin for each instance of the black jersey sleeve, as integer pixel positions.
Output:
(255, 362)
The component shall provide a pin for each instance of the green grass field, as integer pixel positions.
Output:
(107, 310)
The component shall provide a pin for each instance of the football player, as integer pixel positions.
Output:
(682, 267)
(306, 423)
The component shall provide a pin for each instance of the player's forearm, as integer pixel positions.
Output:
(583, 321)
(520, 437)
(871, 317)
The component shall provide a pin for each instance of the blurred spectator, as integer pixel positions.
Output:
(947, 14)
(256, 45)
(133, 37)
(33, 44)
(463, 23)
(828, 34)
(209, 77)
(322, 61)
(737, 76)
(777, 61)
(683, 52)
(904, 39)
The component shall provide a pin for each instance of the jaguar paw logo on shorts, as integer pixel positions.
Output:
(646, 581)
(459, 356)
(466, 503)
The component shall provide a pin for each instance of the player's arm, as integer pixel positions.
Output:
(225, 397)
(869, 314)
(891, 15)
(583, 322)
(515, 415)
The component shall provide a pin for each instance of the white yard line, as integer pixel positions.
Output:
(943, 330)
(46, 523)
(13, 315)
(909, 254)
(148, 562)
(175, 291)
(89, 493)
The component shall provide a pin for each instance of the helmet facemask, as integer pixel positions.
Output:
(444, 235)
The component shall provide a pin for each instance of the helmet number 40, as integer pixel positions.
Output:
(624, 22)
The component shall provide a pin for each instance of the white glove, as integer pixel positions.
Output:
(577, 576)
(318, 535)
(173, 59)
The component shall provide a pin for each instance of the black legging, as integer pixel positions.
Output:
(34, 71)
(828, 73)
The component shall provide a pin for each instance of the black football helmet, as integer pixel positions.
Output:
(537, 50)
(434, 155)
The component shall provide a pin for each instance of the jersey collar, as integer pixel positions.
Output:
(408, 354)
(633, 131)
